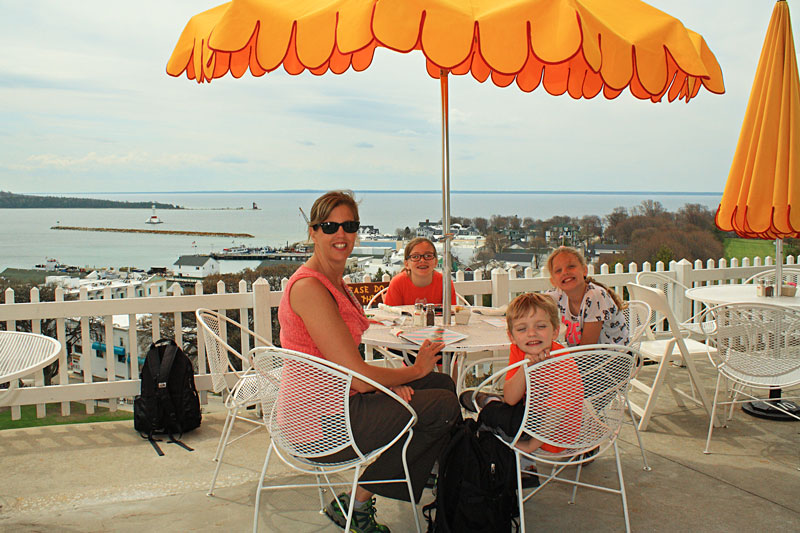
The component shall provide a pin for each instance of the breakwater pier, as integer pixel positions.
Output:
(158, 231)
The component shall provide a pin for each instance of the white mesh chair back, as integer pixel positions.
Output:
(213, 328)
(475, 372)
(306, 404)
(311, 415)
(669, 287)
(576, 399)
(377, 298)
(758, 343)
(637, 316)
(218, 351)
(788, 274)
(216, 348)
(656, 299)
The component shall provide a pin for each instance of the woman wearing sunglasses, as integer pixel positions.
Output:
(319, 315)
(418, 281)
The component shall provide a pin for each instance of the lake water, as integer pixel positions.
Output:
(26, 238)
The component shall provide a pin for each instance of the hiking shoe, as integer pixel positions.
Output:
(363, 519)
(587, 455)
(482, 399)
(431, 481)
(530, 481)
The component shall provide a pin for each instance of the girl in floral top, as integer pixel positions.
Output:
(590, 311)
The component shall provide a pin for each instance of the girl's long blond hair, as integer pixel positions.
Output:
(582, 260)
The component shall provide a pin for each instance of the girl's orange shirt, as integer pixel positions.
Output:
(402, 291)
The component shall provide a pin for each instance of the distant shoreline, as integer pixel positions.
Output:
(9, 200)
(419, 191)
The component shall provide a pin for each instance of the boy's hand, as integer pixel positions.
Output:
(538, 358)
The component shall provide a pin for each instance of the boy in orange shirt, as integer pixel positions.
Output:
(533, 323)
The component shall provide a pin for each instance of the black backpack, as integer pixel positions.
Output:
(476, 490)
(168, 403)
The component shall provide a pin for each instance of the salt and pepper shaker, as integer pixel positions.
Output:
(430, 315)
(419, 315)
(760, 288)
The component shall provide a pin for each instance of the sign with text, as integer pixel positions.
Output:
(365, 291)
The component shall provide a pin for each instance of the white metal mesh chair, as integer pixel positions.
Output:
(376, 299)
(305, 401)
(391, 358)
(243, 393)
(788, 274)
(674, 293)
(476, 371)
(758, 347)
(637, 317)
(676, 347)
(574, 400)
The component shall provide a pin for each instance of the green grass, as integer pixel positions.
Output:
(751, 248)
(53, 416)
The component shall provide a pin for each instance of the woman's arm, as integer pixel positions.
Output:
(316, 306)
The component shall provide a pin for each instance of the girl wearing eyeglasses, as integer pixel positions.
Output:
(419, 280)
(320, 316)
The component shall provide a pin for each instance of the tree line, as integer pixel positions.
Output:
(9, 200)
(645, 232)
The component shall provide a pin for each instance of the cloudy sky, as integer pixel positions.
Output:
(86, 106)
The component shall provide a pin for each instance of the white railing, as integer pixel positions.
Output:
(259, 302)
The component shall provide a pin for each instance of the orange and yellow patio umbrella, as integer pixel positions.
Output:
(577, 47)
(764, 180)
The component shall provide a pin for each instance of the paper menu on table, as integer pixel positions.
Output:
(418, 336)
(495, 321)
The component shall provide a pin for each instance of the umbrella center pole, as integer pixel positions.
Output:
(778, 267)
(446, 266)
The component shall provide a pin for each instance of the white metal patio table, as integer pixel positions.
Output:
(726, 294)
(22, 354)
(481, 335)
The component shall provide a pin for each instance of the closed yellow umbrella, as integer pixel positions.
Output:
(577, 47)
(764, 180)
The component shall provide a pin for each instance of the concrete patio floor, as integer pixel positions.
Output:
(104, 477)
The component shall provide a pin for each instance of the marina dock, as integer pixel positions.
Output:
(279, 256)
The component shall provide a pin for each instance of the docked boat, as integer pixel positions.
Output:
(49, 264)
(153, 218)
(241, 249)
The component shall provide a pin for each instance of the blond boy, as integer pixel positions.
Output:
(533, 322)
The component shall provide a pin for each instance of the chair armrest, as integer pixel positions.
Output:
(462, 375)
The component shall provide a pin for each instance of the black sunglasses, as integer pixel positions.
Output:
(329, 228)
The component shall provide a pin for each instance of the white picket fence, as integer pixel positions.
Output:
(259, 301)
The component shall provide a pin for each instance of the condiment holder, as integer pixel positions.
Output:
(463, 316)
